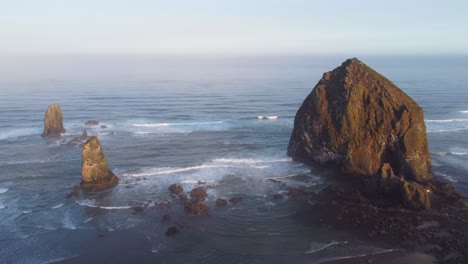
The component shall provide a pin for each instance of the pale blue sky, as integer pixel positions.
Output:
(234, 27)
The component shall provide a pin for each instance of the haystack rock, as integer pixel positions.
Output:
(94, 172)
(358, 121)
(53, 124)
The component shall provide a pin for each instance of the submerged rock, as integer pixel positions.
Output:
(357, 120)
(171, 231)
(199, 194)
(92, 123)
(196, 208)
(79, 140)
(53, 123)
(221, 202)
(94, 172)
(176, 189)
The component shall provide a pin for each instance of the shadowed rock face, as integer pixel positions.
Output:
(94, 172)
(53, 125)
(358, 121)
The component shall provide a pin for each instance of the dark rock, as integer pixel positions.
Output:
(277, 196)
(357, 120)
(79, 140)
(166, 218)
(53, 123)
(415, 196)
(236, 200)
(171, 231)
(176, 189)
(138, 209)
(221, 202)
(94, 172)
(196, 208)
(103, 126)
(296, 192)
(183, 197)
(92, 123)
(199, 194)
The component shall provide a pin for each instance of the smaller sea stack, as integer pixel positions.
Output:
(95, 175)
(53, 125)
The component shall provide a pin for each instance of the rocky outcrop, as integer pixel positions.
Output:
(358, 121)
(53, 123)
(94, 172)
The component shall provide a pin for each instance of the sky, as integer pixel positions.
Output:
(233, 27)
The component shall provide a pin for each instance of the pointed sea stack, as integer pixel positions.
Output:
(94, 172)
(53, 125)
(359, 122)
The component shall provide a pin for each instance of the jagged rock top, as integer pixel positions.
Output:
(357, 120)
(53, 124)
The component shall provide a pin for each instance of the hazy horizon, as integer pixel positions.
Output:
(209, 27)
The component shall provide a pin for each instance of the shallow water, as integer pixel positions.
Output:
(185, 120)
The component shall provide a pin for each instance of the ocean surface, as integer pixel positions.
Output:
(190, 120)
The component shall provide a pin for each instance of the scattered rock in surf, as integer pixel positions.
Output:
(94, 172)
(176, 189)
(235, 200)
(278, 196)
(199, 194)
(103, 126)
(221, 202)
(79, 140)
(92, 123)
(53, 123)
(171, 231)
(166, 218)
(183, 197)
(196, 208)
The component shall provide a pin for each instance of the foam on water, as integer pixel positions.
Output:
(3, 190)
(463, 111)
(92, 203)
(21, 132)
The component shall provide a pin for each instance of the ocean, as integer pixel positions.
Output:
(191, 120)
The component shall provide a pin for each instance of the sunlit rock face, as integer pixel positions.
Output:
(53, 123)
(356, 120)
(94, 172)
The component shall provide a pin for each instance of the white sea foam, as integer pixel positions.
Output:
(169, 170)
(15, 133)
(225, 160)
(463, 111)
(315, 247)
(267, 117)
(57, 206)
(447, 130)
(445, 120)
(92, 203)
(178, 124)
(3, 190)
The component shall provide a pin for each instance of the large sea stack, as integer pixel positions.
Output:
(359, 122)
(94, 172)
(53, 125)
